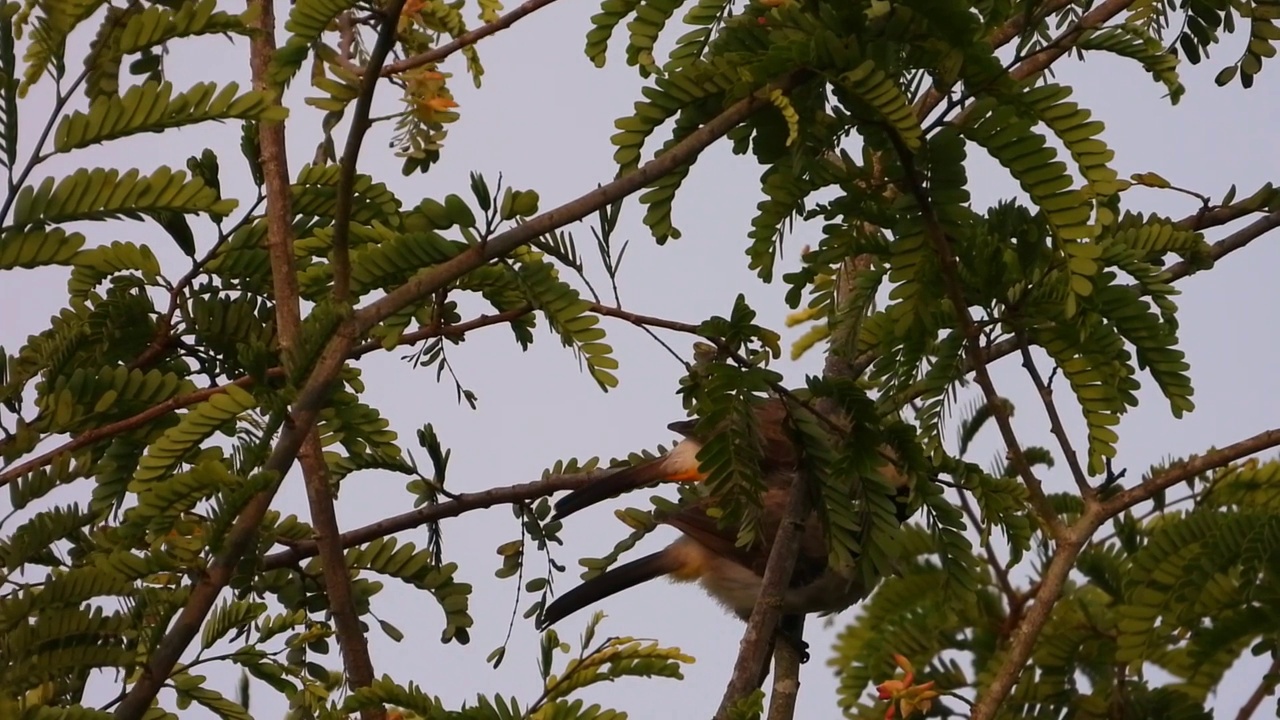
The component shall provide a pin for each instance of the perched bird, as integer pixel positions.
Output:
(681, 464)
(733, 575)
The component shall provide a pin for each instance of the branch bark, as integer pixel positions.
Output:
(464, 40)
(786, 681)
(753, 652)
(1266, 686)
(1074, 540)
(454, 507)
(341, 257)
(315, 471)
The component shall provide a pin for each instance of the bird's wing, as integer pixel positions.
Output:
(695, 521)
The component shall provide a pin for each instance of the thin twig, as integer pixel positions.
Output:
(1055, 422)
(456, 330)
(464, 40)
(341, 253)
(973, 338)
(644, 320)
(753, 652)
(90, 437)
(1011, 594)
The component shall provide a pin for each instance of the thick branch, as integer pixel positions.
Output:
(1055, 422)
(458, 505)
(337, 579)
(315, 471)
(243, 533)
(464, 40)
(763, 623)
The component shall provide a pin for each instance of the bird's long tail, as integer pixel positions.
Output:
(613, 581)
(631, 478)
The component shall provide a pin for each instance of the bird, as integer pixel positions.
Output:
(778, 451)
(709, 554)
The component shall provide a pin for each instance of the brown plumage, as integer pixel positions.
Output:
(681, 464)
(778, 454)
(729, 573)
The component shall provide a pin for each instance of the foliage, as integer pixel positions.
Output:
(167, 394)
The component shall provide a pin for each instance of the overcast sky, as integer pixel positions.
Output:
(543, 119)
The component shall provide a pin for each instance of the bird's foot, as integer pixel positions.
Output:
(798, 644)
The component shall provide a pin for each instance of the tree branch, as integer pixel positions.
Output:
(337, 578)
(1068, 549)
(465, 39)
(753, 652)
(430, 279)
(1024, 638)
(644, 320)
(786, 680)
(340, 258)
(90, 437)
(1188, 469)
(1055, 422)
(1266, 686)
(973, 337)
(315, 471)
(459, 504)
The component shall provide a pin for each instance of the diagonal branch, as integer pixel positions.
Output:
(464, 40)
(973, 338)
(1073, 541)
(1055, 421)
(341, 253)
(352, 641)
(1266, 686)
(455, 506)
(1188, 469)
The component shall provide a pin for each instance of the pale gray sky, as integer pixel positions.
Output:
(543, 119)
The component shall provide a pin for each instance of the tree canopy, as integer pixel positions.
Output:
(224, 313)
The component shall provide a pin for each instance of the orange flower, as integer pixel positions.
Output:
(903, 694)
(438, 103)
